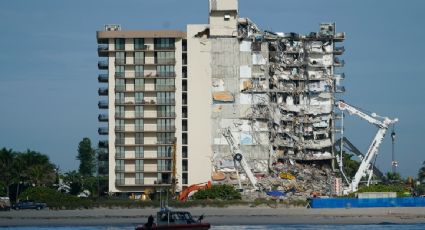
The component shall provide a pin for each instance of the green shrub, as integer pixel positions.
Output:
(400, 189)
(218, 192)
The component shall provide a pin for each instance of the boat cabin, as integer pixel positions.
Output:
(167, 217)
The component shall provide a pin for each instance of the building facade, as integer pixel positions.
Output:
(144, 72)
(274, 91)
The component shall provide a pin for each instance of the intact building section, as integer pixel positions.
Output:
(143, 70)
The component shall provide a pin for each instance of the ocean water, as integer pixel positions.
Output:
(248, 227)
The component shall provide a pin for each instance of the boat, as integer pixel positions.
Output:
(168, 219)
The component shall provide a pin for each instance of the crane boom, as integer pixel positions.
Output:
(365, 166)
(238, 156)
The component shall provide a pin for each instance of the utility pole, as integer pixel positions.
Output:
(394, 163)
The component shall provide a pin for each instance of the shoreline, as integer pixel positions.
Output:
(239, 215)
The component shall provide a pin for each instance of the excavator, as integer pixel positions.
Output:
(195, 187)
(366, 168)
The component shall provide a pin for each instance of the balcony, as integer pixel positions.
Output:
(103, 144)
(166, 128)
(165, 114)
(340, 89)
(338, 62)
(103, 104)
(102, 50)
(171, 47)
(165, 88)
(165, 61)
(165, 74)
(339, 50)
(103, 65)
(103, 131)
(103, 117)
(161, 101)
(340, 76)
(103, 91)
(339, 37)
(161, 141)
(103, 78)
(141, 47)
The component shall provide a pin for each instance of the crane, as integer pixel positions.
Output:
(365, 167)
(238, 157)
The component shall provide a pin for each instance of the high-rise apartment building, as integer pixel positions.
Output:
(274, 91)
(143, 71)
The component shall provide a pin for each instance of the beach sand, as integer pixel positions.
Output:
(238, 215)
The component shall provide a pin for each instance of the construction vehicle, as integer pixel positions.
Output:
(238, 157)
(365, 167)
(195, 187)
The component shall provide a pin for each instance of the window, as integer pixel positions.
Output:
(119, 111)
(139, 58)
(120, 84)
(165, 57)
(166, 111)
(139, 165)
(139, 179)
(184, 165)
(164, 43)
(138, 69)
(119, 43)
(139, 139)
(139, 43)
(165, 71)
(139, 152)
(119, 97)
(139, 84)
(120, 140)
(165, 124)
(119, 125)
(184, 138)
(139, 124)
(184, 178)
(119, 151)
(119, 71)
(184, 151)
(164, 151)
(120, 58)
(119, 165)
(165, 138)
(184, 125)
(164, 165)
(119, 178)
(165, 97)
(139, 111)
(164, 84)
(139, 96)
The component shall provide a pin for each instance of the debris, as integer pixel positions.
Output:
(224, 96)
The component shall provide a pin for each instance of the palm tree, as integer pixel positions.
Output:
(6, 168)
(421, 173)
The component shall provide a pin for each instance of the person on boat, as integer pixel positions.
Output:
(150, 222)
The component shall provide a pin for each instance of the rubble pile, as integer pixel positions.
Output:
(299, 180)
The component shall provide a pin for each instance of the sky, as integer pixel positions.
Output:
(48, 64)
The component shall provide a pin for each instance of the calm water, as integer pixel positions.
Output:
(254, 227)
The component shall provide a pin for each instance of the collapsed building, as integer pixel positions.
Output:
(274, 91)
